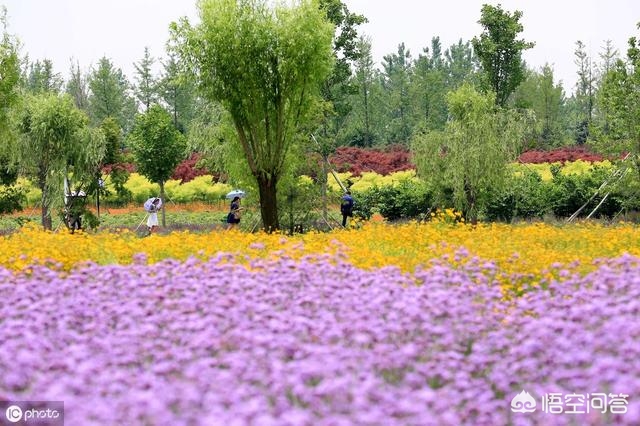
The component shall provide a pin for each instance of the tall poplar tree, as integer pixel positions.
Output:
(77, 86)
(397, 68)
(500, 51)
(145, 88)
(584, 95)
(110, 95)
(429, 86)
(178, 92)
(41, 78)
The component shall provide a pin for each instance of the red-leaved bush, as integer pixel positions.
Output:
(385, 161)
(128, 167)
(189, 169)
(560, 155)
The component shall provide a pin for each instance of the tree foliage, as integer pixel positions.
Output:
(178, 92)
(541, 94)
(109, 95)
(77, 86)
(265, 67)
(468, 159)
(146, 87)
(396, 80)
(158, 146)
(9, 96)
(42, 78)
(55, 141)
(338, 86)
(499, 50)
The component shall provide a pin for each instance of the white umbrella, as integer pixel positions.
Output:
(235, 193)
(150, 207)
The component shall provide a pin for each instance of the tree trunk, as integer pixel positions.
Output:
(324, 178)
(162, 198)
(45, 214)
(268, 202)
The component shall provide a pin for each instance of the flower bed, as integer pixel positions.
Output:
(316, 342)
(524, 255)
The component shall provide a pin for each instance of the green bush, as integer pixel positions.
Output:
(200, 188)
(523, 197)
(408, 199)
(12, 199)
(568, 193)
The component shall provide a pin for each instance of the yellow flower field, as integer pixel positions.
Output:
(526, 253)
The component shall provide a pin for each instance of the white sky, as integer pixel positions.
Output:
(120, 29)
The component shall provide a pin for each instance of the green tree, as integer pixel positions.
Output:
(460, 64)
(265, 67)
(540, 94)
(608, 57)
(338, 86)
(397, 69)
(41, 78)
(429, 85)
(9, 97)
(468, 160)
(109, 95)
(362, 131)
(77, 87)
(499, 51)
(584, 94)
(158, 147)
(178, 92)
(620, 95)
(145, 89)
(55, 140)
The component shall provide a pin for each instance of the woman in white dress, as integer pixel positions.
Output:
(152, 220)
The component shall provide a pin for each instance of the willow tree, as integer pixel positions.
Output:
(9, 96)
(54, 141)
(265, 66)
(469, 158)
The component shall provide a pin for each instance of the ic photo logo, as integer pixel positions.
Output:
(13, 413)
(32, 412)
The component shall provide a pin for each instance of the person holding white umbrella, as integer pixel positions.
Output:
(152, 206)
(233, 218)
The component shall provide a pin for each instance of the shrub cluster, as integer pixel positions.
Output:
(382, 161)
(560, 155)
(527, 195)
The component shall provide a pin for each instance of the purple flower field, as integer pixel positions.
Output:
(318, 343)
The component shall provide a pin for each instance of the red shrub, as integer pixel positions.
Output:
(129, 167)
(382, 161)
(188, 169)
(561, 155)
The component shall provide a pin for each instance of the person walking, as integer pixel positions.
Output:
(152, 220)
(346, 207)
(233, 218)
